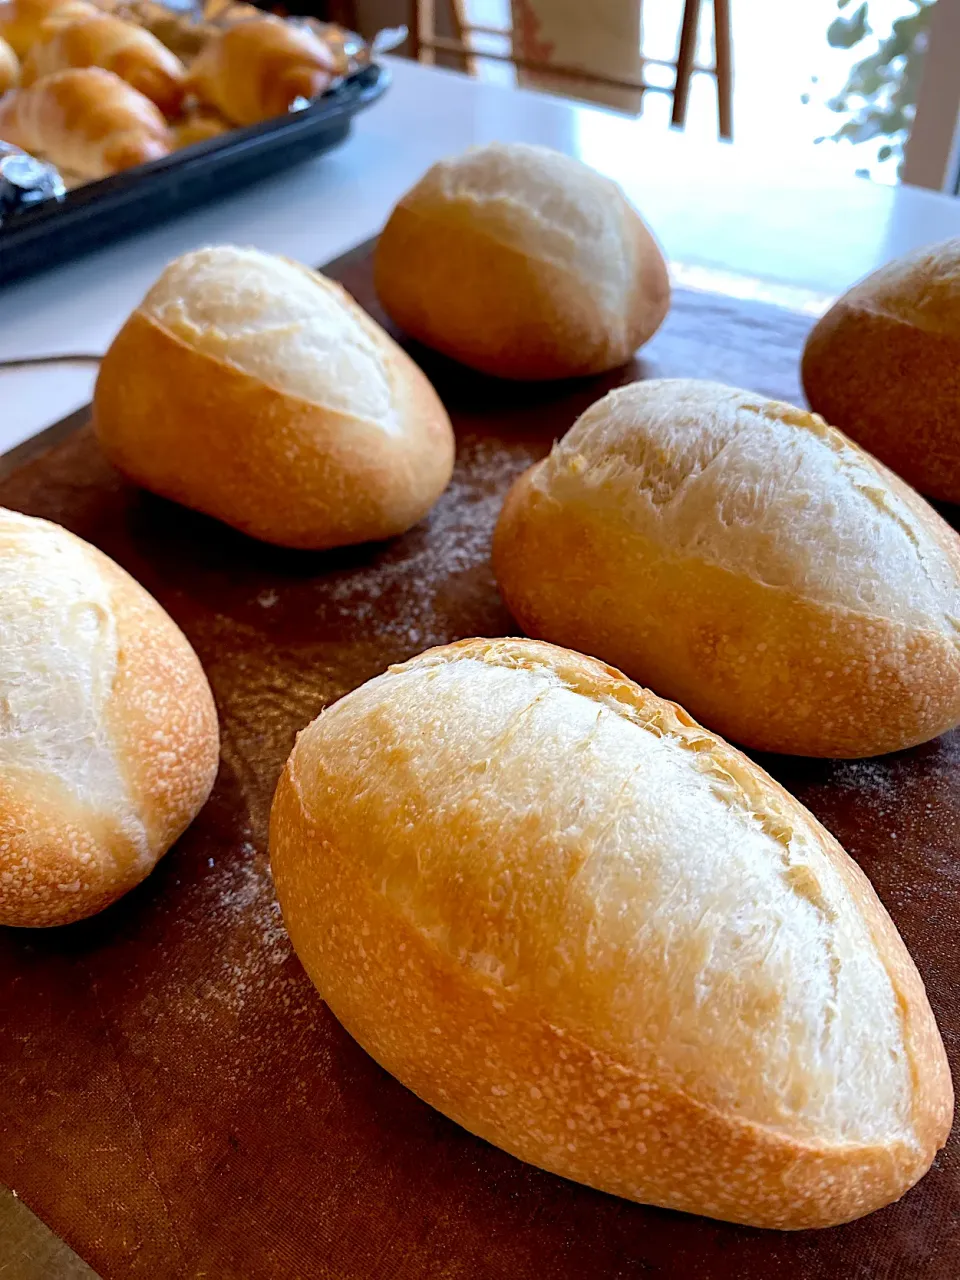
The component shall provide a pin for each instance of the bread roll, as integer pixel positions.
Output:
(9, 67)
(256, 390)
(108, 732)
(86, 121)
(591, 932)
(744, 558)
(22, 22)
(105, 41)
(522, 263)
(256, 70)
(884, 365)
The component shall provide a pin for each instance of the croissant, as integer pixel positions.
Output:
(22, 21)
(85, 120)
(225, 13)
(9, 66)
(176, 31)
(256, 70)
(105, 41)
(199, 126)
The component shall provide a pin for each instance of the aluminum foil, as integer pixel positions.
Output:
(25, 181)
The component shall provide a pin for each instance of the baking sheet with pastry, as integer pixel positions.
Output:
(95, 213)
(121, 113)
(181, 1102)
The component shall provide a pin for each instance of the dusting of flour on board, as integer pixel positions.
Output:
(249, 966)
(455, 540)
(914, 852)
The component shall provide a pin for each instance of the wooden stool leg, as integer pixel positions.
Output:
(685, 59)
(723, 45)
(459, 19)
(425, 29)
(413, 26)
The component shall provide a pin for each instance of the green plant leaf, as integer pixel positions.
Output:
(844, 33)
(879, 98)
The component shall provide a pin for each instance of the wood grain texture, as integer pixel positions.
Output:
(178, 1101)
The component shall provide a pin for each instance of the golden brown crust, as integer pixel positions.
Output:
(85, 120)
(204, 433)
(161, 714)
(486, 1055)
(509, 314)
(60, 860)
(734, 650)
(22, 22)
(891, 385)
(199, 126)
(551, 327)
(105, 41)
(63, 857)
(256, 69)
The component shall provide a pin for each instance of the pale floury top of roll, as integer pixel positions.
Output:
(668, 902)
(108, 731)
(58, 662)
(590, 931)
(764, 489)
(739, 555)
(547, 206)
(256, 390)
(280, 322)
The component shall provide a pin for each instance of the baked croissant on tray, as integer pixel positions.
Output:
(104, 41)
(23, 22)
(257, 70)
(86, 121)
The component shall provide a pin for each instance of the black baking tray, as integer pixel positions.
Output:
(98, 213)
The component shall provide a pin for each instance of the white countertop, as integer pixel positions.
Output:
(792, 223)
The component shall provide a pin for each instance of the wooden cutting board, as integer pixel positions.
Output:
(176, 1100)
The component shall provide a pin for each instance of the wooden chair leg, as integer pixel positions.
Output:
(424, 27)
(685, 59)
(413, 27)
(723, 46)
(459, 18)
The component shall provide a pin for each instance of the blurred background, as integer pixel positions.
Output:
(833, 81)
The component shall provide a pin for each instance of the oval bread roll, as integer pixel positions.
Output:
(108, 732)
(256, 390)
(594, 934)
(523, 263)
(742, 557)
(883, 364)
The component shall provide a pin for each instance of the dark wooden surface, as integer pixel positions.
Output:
(175, 1099)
